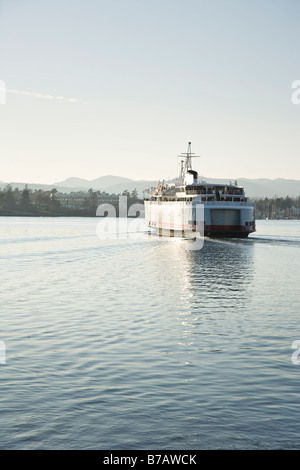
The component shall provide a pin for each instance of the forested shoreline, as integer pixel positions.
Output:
(27, 202)
(278, 208)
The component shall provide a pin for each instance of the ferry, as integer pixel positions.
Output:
(171, 207)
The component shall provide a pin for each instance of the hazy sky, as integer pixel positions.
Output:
(119, 87)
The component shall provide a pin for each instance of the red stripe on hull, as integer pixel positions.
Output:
(230, 231)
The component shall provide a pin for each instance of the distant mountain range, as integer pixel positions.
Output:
(110, 184)
(255, 188)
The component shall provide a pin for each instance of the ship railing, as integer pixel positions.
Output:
(229, 203)
(162, 199)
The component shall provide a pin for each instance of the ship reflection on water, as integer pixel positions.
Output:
(211, 287)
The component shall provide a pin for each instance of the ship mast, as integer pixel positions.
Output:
(186, 164)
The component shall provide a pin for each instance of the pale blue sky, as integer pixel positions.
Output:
(138, 79)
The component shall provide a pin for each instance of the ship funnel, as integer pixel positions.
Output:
(191, 177)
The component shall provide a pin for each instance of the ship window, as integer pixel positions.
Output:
(246, 223)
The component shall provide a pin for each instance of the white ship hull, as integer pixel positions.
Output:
(176, 218)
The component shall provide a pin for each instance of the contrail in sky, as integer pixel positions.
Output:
(45, 96)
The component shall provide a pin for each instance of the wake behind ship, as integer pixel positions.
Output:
(172, 207)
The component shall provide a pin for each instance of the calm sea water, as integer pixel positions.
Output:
(138, 343)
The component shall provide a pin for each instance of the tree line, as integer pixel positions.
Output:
(28, 202)
(278, 207)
